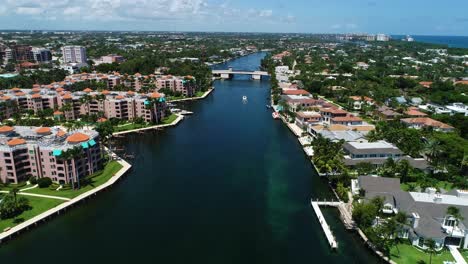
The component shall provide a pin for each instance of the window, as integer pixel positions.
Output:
(421, 242)
(31, 152)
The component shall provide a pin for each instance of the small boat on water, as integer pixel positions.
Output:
(275, 115)
(244, 98)
(268, 106)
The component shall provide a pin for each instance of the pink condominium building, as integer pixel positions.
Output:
(48, 152)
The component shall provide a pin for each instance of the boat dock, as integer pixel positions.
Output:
(323, 223)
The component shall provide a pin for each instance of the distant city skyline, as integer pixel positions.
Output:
(415, 17)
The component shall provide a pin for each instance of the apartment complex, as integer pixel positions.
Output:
(122, 105)
(74, 54)
(48, 152)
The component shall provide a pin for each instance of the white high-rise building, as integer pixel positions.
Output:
(74, 54)
(383, 37)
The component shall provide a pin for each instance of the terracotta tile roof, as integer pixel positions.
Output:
(60, 89)
(105, 92)
(87, 90)
(43, 130)
(102, 119)
(461, 82)
(119, 97)
(20, 94)
(5, 129)
(156, 95)
(359, 98)
(412, 111)
(36, 90)
(36, 96)
(348, 118)
(15, 89)
(77, 138)
(426, 84)
(67, 96)
(58, 113)
(296, 92)
(130, 92)
(16, 141)
(5, 98)
(334, 110)
(426, 121)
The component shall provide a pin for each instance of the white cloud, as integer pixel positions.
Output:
(29, 10)
(187, 11)
(265, 13)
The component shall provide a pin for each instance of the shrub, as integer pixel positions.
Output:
(33, 180)
(44, 182)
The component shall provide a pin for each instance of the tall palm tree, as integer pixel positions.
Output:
(433, 151)
(14, 192)
(431, 247)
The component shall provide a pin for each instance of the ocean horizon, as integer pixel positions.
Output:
(450, 41)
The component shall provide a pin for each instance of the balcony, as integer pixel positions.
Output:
(454, 231)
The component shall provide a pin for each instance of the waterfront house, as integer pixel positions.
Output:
(426, 211)
(305, 118)
(377, 153)
(424, 122)
(339, 132)
(298, 92)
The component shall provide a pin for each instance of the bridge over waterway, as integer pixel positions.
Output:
(229, 73)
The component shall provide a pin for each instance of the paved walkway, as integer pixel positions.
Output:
(175, 122)
(456, 255)
(192, 98)
(40, 195)
(29, 188)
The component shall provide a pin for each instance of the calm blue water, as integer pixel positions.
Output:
(451, 41)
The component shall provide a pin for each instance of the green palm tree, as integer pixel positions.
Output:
(431, 247)
(14, 192)
(433, 151)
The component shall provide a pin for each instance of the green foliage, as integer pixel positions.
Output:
(12, 206)
(364, 213)
(44, 182)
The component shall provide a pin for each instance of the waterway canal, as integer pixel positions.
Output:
(228, 185)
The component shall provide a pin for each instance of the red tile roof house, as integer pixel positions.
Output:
(329, 113)
(414, 112)
(299, 92)
(421, 122)
(304, 119)
(348, 120)
(386, 113)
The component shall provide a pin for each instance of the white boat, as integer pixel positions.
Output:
(244, 98)
(275, 115)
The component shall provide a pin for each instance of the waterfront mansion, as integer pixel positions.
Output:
(426, 211)
(48, 152)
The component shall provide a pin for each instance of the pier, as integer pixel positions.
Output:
(323, 223)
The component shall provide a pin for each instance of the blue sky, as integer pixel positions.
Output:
(417, 17)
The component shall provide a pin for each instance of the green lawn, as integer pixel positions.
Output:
(95, 180)
(129, 126)
(410, 255)
(169, 119)
(199, 94)
(464, 254)
(39, 205)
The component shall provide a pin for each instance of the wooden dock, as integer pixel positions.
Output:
(323, 223)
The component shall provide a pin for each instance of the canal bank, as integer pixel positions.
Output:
(227, 185)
